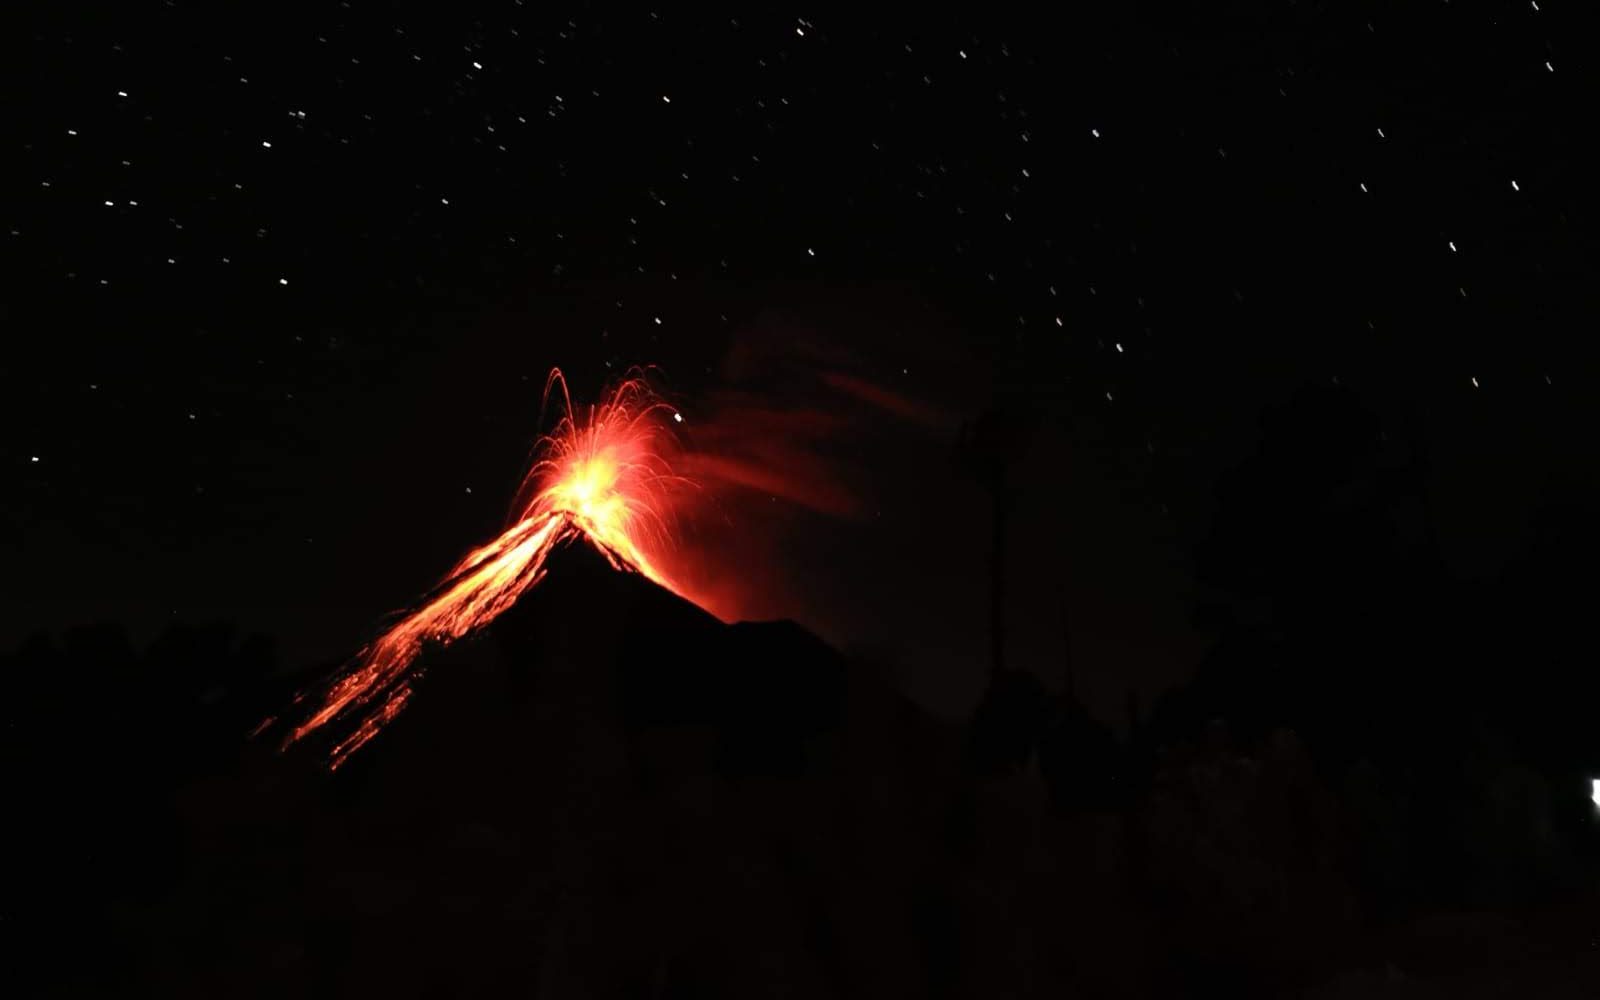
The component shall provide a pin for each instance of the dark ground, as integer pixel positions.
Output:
(613, 794)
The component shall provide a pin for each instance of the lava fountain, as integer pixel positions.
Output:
(602, 477)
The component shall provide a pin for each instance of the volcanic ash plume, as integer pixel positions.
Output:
(602, 477)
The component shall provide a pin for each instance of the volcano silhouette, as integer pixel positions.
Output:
(633, 653)
(609, 792)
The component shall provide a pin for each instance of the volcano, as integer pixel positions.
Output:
(602, 475)
(605, 643)
(573, 780)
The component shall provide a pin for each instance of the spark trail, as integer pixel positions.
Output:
(602, 477)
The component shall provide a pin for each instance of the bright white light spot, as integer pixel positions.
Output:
(35, 458)
(962, 52)
(1535, 4)
(1452, 246)
(1514, 186)
(72, 131)
(810, 252)
(444, 201)
(1119, 348)
(283, 281)
(801, 32)
(657, 319)
(1363, 187)
(1058, 321)
(265, 144)
(1548, 66)
(665, 99)
(477, 65)
(122, 93)
(1474, 381)
(110, 203)
(678, 417)
(1380, 133)
(1594, 790)
(1095, 132)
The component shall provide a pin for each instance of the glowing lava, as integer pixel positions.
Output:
(603, 478)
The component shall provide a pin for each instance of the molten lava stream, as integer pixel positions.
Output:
(604, 479)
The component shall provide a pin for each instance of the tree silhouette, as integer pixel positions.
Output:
(989, 446)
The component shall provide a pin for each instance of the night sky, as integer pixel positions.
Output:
(283, 288)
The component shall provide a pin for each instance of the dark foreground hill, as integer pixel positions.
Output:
(611, 794)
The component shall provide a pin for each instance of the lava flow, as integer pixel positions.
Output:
(603, 478)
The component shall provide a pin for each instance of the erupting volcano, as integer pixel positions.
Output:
(602, 477)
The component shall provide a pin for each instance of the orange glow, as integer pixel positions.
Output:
(603, 478)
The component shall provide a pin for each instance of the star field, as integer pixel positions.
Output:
(233, 237)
